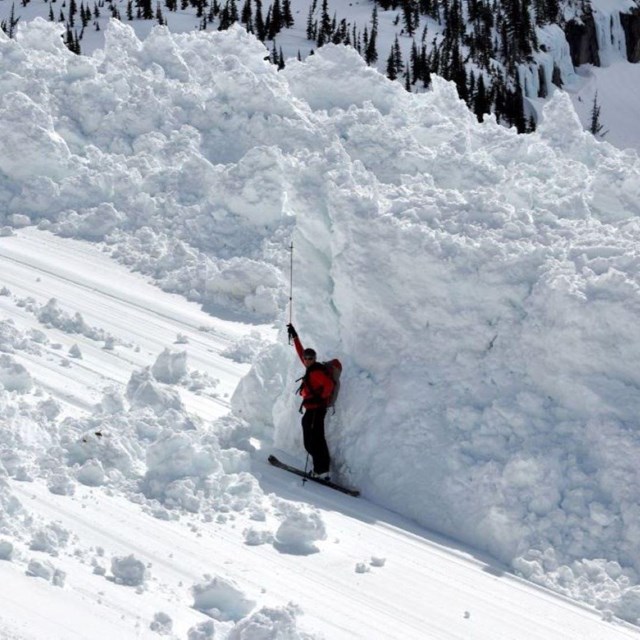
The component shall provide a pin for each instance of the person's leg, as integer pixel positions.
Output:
(320, 450)
(307, 431)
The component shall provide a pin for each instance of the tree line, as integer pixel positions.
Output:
(478, 44)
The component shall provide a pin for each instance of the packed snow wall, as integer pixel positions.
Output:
(482, 291)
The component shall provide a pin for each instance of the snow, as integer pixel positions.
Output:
(479, 287)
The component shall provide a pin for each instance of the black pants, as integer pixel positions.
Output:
(313, 437)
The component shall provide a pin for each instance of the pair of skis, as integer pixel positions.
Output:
(299, 472)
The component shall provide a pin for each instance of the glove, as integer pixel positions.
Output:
(293, 334)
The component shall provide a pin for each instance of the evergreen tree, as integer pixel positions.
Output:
(324, 30)
(233, 11)
(596, 126)
(277, 21)
(146, 9)
(246, 16)
(312, 25)
(10, 27)
(159, 16)
(287, 15)
(261, 31)
(397, 55)
(408, 17)
(225, 17)
(392, 72)
(416, 71)
(267, 23)
(425, 71)
(370, 50)
(515, 109)
(481, 99)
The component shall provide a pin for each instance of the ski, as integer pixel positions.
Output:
(299, 472)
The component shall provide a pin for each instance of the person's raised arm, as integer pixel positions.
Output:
(293, 334)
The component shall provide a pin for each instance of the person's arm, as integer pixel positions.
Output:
(296, 341)
(299, 348)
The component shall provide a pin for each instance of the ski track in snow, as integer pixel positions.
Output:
(423, 583)
(130, 309)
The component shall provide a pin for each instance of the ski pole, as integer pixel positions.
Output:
(306, 464)
(291, 288)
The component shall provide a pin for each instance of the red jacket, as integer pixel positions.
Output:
(317, 386)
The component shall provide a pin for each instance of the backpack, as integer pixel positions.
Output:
(333, 369)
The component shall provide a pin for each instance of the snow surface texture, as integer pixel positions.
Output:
(615, 82)
(481, 289)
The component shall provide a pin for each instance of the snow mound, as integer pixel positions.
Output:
(222, 599)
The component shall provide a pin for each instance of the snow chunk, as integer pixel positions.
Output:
(6, 550)
(94, 224)
(560, 125)
(61, 484)
(337, 76)
(170, 366)
(203, 631)
(44, 569)
(91, 473)
(162, 623)
(128, 570)
(31, 145)
(74, 352)
(14, 376)
(177, 467)
(49, 539)
(256, 537)
(299, 530)
(143, 390)
(270, 622)
(221, 598)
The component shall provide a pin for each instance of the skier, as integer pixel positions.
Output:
(316, 391)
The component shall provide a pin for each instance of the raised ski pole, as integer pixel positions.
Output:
(306, 464)
(291, 288)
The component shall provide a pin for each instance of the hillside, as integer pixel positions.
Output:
(480, 287)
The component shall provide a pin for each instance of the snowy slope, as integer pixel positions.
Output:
(370, 575)
(481, 289)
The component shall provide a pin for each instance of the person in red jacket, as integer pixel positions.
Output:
(316, 391)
